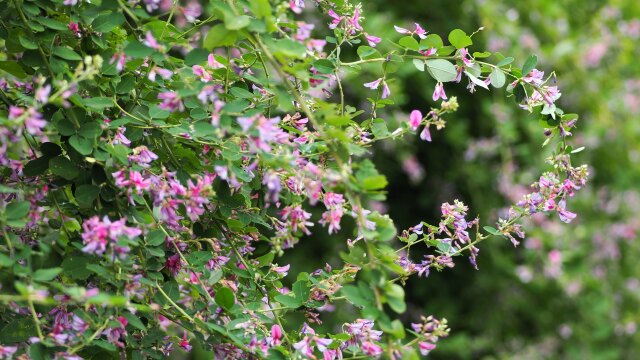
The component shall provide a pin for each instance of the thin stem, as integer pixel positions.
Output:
(164, 294)
(36, 320)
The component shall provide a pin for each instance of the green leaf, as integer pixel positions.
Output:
(66, 53)
(75, 266)
(237, 22)
(46, 274)
(491, 230)
(86, 194)
(497, 78)
(218, 36)
(324, 66)
(63, 167)
(288, 301)
(288, 48)
(91, 130)
(459, 39)
(156, 237)
(431, 41)
(137, 50)
(17, 210)
(27, 43)
(18, 330)
(107, 22)
(14, 68)
(410, 43)
(441, 70)
(225, 298)
(504, 62)
(366, 52)
(529, 65)
(480, 55)
(52, 24)
(98, 103)
(419, 64)
(83, 145)
(260, 8)
(134, 321)
(36, 167)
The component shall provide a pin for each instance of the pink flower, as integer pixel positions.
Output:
(438, 93)
(276, 335)
(151, 42)
(336, 19)
(354, 21)
(415, 119)
(98, 234)
(372, 40)
(74, 28)
(426, 347)
(142, 156)
(402, 30)
(192, 11)
(535, 77)
(422, 33)
(184, 343)
(464, 54)
(213, 63)
(296, 6)
(374, 84)
(418, 31)
(171, 101)
(425, 134)
(565, 215)
(120, 138)
(119, 59)
(385, 90)
(164, 73)
(200, 71)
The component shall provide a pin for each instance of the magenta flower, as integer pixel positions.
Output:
(385, 90)
(336, 19)
(151, 42)
(422, 33)
(97, 235)
(372, 40)
(192, 11)
(119, 59)
(276, 335)
(184, 343)
(42, 94)
(466, 59)
(164, 73)
(565, 215)
(402, 30)
(374, 84)
(296, 6)
(415, 119)
(213, 63)
(535, 77)
(354, 21)
(426, 347)
(200, 72)
(142, 156)
(425, 134)
(418, 31)
(438, 92)
(171, 101)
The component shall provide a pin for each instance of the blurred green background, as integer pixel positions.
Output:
(568, 291)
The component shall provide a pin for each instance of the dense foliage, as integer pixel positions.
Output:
(161, 163)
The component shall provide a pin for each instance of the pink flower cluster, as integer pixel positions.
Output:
(97, 235)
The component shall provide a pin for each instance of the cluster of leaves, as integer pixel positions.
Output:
(155, 164)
